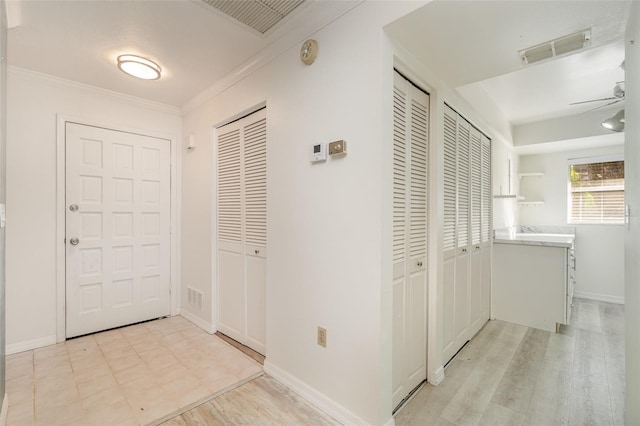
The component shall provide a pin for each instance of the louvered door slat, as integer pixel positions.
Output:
(486, 190)
(450, 177)
(399, 175)
(476, 186)
(229, 187)
(418, 190)
(255, 182)
(462, 226)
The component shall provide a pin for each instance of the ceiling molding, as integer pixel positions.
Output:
(319, 20)
(140, 102)
(564, 128)
(578, 144)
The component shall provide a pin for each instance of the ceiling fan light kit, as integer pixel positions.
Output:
(615, 123)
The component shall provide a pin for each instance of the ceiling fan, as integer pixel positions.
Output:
(618, 96)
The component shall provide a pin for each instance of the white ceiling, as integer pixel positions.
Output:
(194, 44)
(471, 45)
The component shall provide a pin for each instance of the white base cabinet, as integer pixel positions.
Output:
(533, 285)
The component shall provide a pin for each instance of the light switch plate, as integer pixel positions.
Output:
(338, 148)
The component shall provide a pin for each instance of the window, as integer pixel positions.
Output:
(596, 191)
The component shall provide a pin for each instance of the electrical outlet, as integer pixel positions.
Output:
(322, 337)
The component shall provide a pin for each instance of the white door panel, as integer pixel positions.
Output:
(475, 291)
(231, 293)
(241, 230)
(118, 272)
(466, 231)
(416, 330)
(256, 333)
(448, 309)
(410, 158)
(399, 343)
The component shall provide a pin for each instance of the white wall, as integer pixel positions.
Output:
(34, 101)
(632, 234)
(325, 221)
(599, 248)
(504, 171)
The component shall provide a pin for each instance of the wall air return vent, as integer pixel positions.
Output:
(260, 15)
(558, 47)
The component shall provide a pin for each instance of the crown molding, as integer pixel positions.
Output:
(133, 100)
(318, 17)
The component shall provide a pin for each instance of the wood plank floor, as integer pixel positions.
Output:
(262, 401)
(507, 375)
(514, 375)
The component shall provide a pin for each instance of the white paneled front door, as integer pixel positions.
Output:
(117, 228)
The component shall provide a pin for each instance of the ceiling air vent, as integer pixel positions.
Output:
(261, 15)
(557, 47)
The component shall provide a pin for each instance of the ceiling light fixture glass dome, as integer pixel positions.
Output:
(615, 123)
(139, 67)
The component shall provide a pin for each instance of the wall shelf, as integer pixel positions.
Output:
(530, 174)
(512, 196)
(530, 203)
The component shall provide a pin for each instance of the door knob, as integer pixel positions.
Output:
(74, 241)
(73, 207)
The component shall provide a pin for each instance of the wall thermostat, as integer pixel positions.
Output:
(318, 152)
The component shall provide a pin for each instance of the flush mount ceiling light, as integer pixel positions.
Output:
(138, 66)
(615, 123)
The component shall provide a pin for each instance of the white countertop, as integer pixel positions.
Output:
(535, 239)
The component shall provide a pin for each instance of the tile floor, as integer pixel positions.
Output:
(127, 376)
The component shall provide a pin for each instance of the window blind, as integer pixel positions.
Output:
(597, 192)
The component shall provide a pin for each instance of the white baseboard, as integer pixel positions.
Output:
(391, 422)
(599, 297)
(193, 318)
(14, 348)
(316, 398)
(5, 410)
(437, 377)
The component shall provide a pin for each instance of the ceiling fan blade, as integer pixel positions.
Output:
(594, 100)
(605, 105)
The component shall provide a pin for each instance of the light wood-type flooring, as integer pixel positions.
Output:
(514, 375)
(507, 375)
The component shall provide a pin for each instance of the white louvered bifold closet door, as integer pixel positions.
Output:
(475, 214)
(410, 155)
(486, 229)
(466, 229)
(242, 230)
